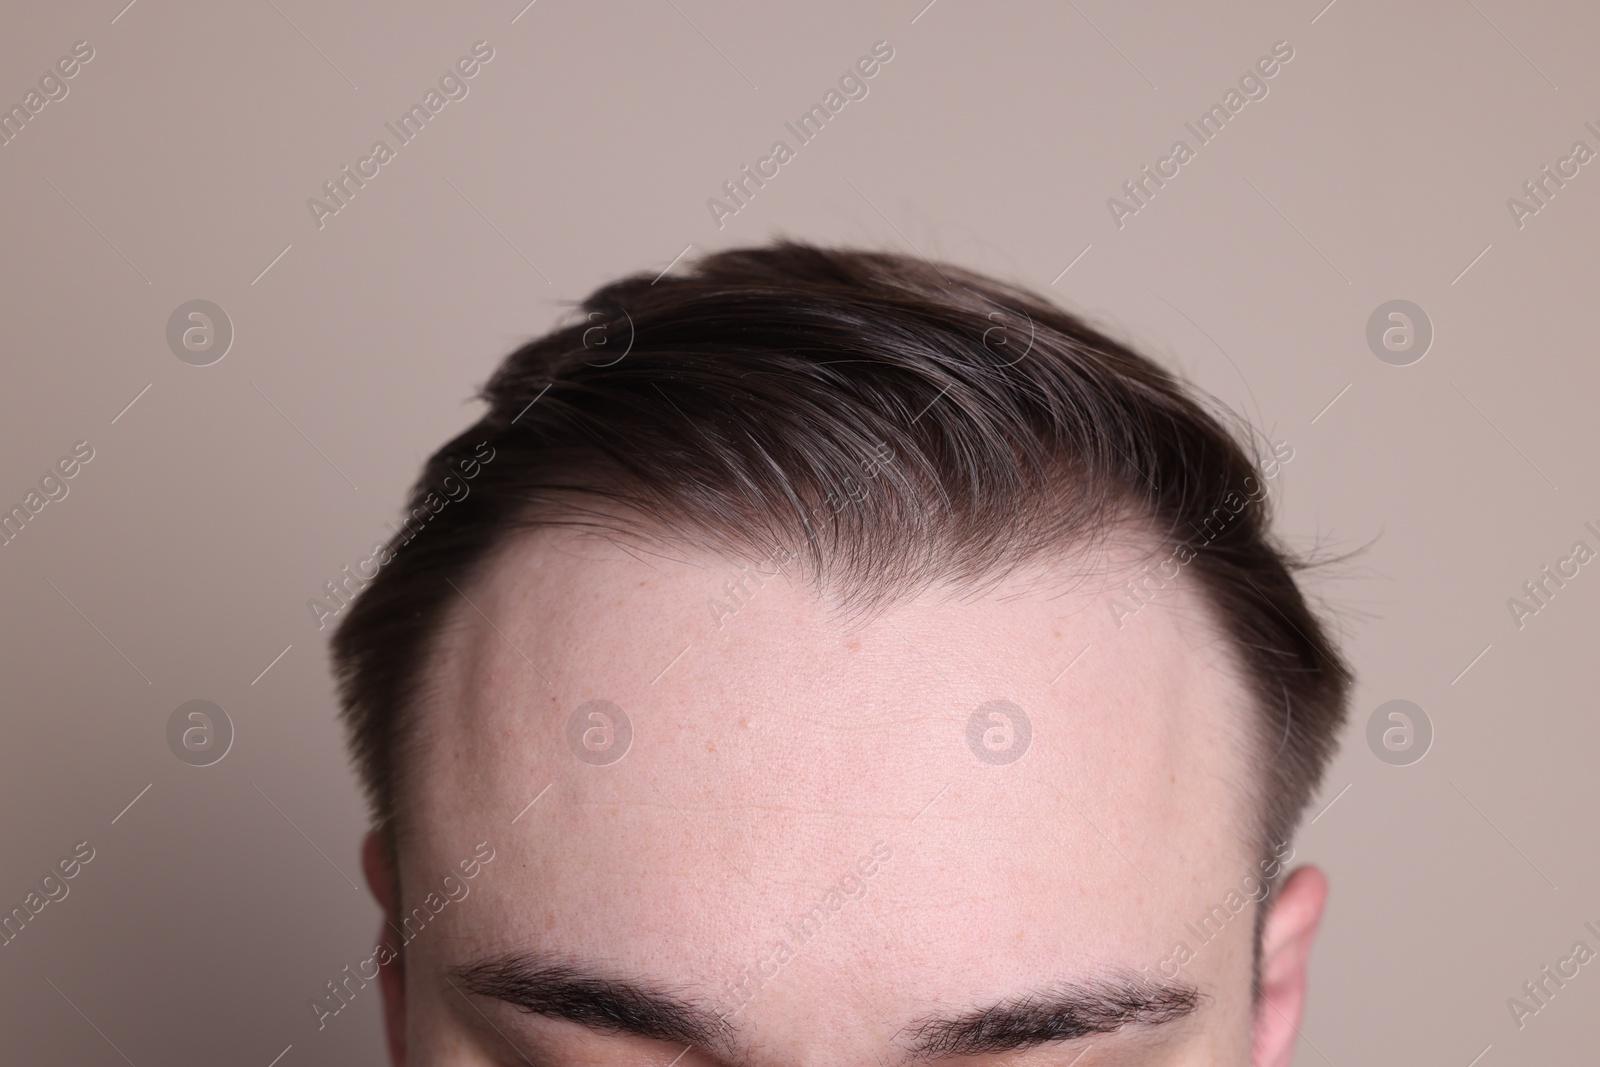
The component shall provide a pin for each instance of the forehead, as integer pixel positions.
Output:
(779, 755)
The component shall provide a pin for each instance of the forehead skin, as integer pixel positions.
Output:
(775, 747)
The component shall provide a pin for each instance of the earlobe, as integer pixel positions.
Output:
(391, 972)
(1286, 940)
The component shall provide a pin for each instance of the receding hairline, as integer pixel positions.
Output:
(1086, 565)
(759, 371)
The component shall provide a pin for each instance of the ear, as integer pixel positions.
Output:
(1285, 953)
(391, 975)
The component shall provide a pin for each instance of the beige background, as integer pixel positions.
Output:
(179, 165)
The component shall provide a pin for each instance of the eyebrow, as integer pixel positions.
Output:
(1061, 1013)
(541, 985)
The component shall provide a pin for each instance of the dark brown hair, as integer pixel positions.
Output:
(733, 404)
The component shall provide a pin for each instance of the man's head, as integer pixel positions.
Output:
(843, 659)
